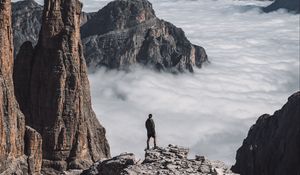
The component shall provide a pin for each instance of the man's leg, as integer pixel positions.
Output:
(154, 138)
(148, 142)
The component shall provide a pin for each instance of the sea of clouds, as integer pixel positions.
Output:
(254, 69)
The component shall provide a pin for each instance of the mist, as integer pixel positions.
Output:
(254, 69)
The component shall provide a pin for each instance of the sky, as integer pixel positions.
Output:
(254, 69)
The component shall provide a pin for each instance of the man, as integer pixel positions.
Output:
(150, 126)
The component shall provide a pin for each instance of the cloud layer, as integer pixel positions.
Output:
(254, 68)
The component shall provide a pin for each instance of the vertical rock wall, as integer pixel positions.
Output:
(59, 95)
(12, 124)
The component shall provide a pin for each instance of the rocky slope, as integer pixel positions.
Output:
(126, 32)
(273, 143)
(164, 161)
(14, 137)
(290, 5)
(52, 88)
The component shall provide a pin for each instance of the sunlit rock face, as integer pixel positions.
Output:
(290, 5)
(12, 124)
(59, 104)
(127, 32)
(272, 145)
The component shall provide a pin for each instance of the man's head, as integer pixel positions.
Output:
(150, 115)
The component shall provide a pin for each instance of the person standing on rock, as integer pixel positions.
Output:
(150, 126)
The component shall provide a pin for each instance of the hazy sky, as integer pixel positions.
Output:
(254, 68)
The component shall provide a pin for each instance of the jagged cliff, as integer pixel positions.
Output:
(164, 161)
(273, 143)
(127, 32)
(14, 137)
(52, 88)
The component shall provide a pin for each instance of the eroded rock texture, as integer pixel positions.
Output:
(12, 124)
(290, 5)
(55, 80)
(273, 143)
(127, 32)
(164, 161)
(33, 149)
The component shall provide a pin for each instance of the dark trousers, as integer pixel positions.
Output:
(148, 140)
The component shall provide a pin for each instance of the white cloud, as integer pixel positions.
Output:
(255, 67)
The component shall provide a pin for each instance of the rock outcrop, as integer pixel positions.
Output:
(55, 93)
(290, 5)
(33, 149)
(12, 124)
(127, 32)
(273, 143)
(163, 161)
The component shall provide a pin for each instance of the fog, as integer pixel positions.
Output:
(254, 69)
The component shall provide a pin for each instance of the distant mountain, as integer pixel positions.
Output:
(127, 32)
(123, 33)
(290, 5)
(273, 143)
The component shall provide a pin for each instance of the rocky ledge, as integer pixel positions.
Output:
(164, 161)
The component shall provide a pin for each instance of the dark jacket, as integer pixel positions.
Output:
(150, 126)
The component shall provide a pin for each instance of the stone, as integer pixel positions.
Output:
(290, 5)
(55, 81)
(161, 163)
(12, 123)
(127, 32)
(272, 145)
(33, 149)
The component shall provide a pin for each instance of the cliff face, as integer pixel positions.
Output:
(290, 5)
(273, 143)
(12, 124)
(163, 161)
(127, 32)
(54, 78)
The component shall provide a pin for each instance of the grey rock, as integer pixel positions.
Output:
(290, 5)
(273, 143)
(127, 32)
(162, 161)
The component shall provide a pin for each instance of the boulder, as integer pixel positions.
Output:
(290, 5)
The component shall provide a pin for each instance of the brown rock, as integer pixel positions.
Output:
(33, 149)
(12, 124)
(59, 97)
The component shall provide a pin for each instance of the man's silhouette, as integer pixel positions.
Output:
(150, 126)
